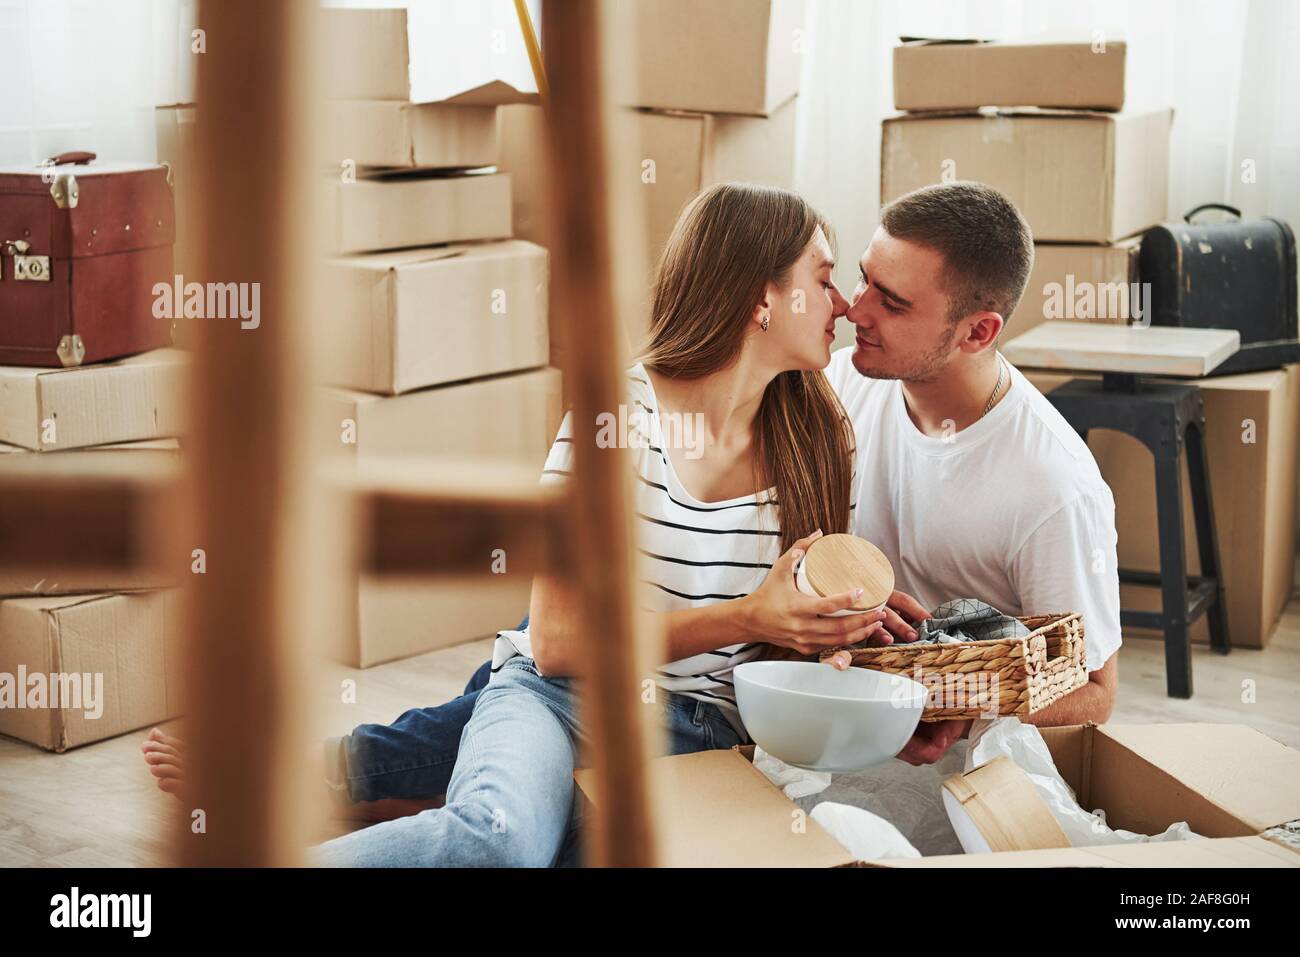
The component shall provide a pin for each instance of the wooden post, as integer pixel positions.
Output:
(254, 507)
(599, 517)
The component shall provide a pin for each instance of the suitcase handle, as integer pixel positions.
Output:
(1204, 206)
(77, 157)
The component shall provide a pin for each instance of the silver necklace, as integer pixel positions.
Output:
(997, 388)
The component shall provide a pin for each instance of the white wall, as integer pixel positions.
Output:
(87, 74)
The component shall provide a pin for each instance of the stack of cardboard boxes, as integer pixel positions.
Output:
(86, 655)
(437, 318)
(709, 97)
(1090, 177)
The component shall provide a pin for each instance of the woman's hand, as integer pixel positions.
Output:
(780, 614)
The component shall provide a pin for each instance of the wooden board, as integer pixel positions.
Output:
(1154, 350)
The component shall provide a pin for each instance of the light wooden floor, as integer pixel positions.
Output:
(97, 805)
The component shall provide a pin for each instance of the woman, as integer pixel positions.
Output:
(742, 323)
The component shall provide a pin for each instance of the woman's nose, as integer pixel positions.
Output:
(839, 305)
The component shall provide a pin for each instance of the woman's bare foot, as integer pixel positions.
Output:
(164, 755)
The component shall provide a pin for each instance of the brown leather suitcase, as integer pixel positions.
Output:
(81, 246)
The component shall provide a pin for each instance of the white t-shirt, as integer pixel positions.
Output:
(693, 553)
(1012, 510)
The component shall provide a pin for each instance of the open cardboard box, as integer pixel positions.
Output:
(1227, 781)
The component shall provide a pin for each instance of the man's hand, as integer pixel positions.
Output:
(902, 613)
(932, 740)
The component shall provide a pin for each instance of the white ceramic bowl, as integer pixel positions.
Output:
(804, 585)
(815, 716)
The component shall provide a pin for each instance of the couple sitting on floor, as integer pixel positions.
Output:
(920, 438)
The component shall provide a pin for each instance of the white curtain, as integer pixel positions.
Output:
(1229, 68)
(87, 74)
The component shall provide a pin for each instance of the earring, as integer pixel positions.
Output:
(766, 320)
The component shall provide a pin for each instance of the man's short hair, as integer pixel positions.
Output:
(986, 244)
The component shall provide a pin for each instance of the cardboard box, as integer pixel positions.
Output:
(503, 418)
(368, 54)
(725, 56)
(668, 158)
(1252, 425)
(411, 55)
(120, 653)
(1076, 176)
(1228, 782)
(403, 210)
(391, 105)
(127, 400)
(1066, 69)
(401, 617)
(31, 580)
(397, 134)
(1085, 283)
(681, 153)
(407, 320)
(509, 419)
(521, 139)
(176, 130)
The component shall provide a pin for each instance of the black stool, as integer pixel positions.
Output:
(1165, 417)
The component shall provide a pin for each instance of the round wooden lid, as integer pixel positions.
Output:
(835, 564)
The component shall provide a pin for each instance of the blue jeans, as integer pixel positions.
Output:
(511, 800)
(411, 758)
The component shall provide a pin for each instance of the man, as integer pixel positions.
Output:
(970, 481)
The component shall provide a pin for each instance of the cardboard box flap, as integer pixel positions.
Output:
(416, 175)
(1236, 768)
(1042, 112)
(1218, 852)
(396, 259)
(492, 93)
(710, 813)
(51, 604)
(144, 445)
(1113, 38)
(931, 41)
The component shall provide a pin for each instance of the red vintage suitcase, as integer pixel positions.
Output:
(81, 246)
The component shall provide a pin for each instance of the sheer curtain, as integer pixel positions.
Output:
(87, 74)
(1229, 69)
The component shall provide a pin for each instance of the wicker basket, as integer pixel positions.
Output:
(1002, 676)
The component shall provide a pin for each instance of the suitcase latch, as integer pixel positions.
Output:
(26, 268)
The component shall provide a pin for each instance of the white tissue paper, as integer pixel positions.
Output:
(907, 797)
(1023, 744)
(793, 782)
(866, 836)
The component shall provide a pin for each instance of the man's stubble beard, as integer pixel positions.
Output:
(924, 370)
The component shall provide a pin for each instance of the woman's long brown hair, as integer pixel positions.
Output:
(728, 244)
